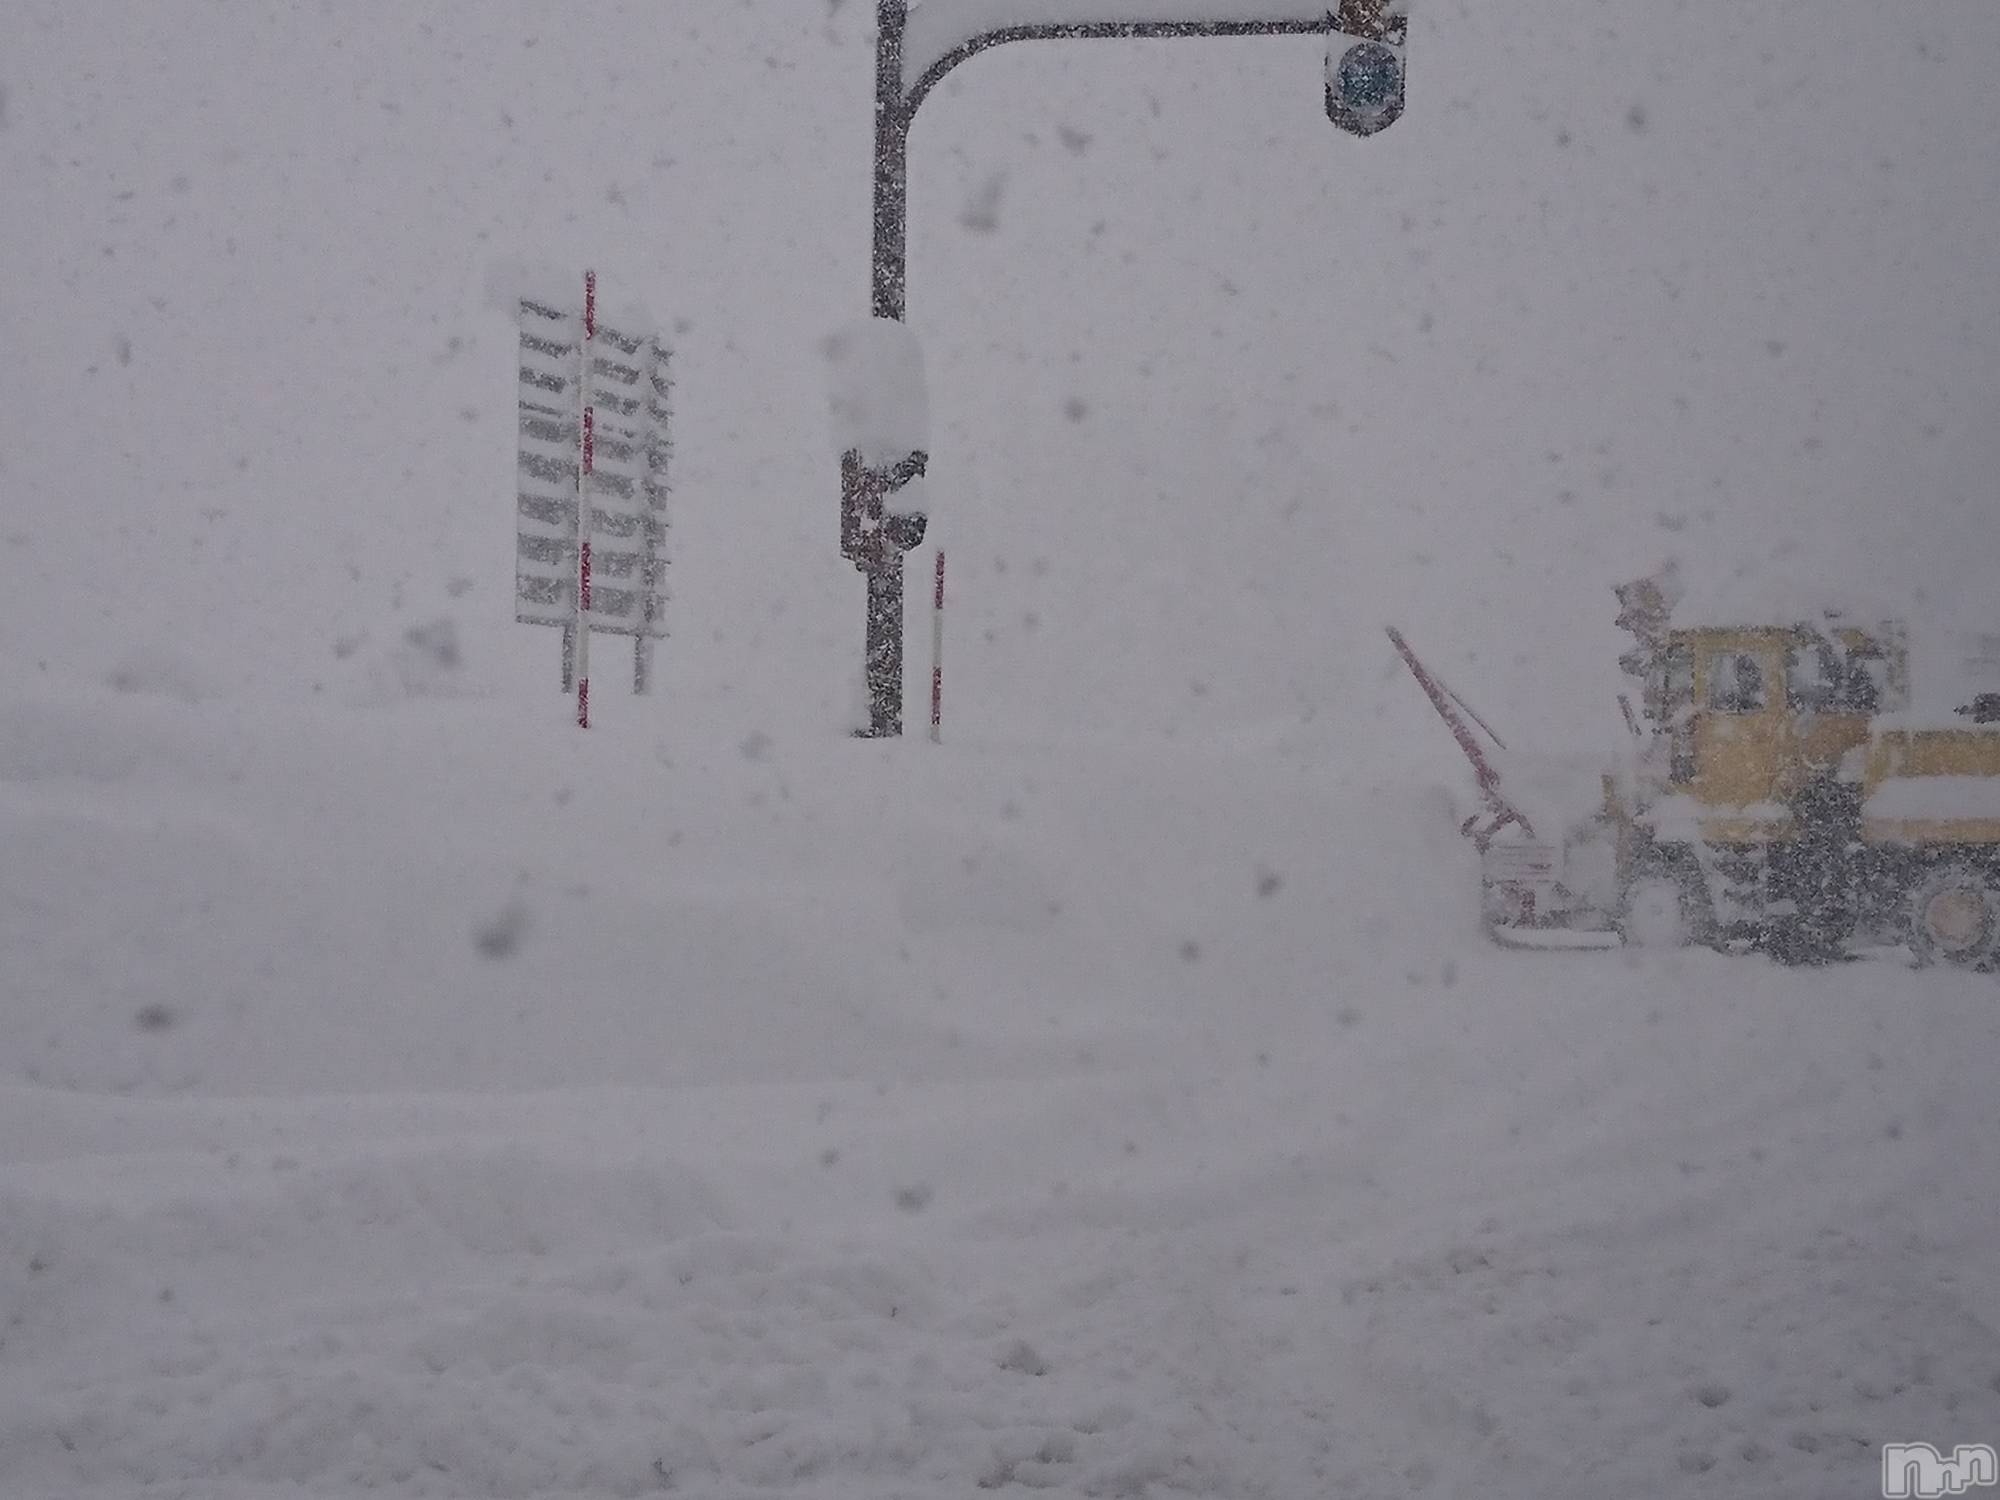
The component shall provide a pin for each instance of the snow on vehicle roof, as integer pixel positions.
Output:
(1953, 645)
(1753, 599)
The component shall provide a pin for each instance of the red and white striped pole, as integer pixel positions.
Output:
(937, 654)
(583, 471)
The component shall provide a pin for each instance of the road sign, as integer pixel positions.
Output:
(571, 363)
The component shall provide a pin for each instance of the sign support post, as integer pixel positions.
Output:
(937, 654)
(587, 453)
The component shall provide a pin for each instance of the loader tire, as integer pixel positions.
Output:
(1655, 914)
(1954, 917)
(1665, 905)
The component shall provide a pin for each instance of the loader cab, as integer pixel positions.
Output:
(1735, 731)
(1754, 714)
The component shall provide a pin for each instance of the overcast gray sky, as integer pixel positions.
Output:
(1216, 389)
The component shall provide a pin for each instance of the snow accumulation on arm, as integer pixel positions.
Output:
(937, 28)
(1760, 598)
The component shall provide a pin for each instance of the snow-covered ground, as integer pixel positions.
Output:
(404, 1093)
(404, 1101)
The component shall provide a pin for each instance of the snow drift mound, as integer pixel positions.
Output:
(435, 895)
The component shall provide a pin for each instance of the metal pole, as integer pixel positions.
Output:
(892, 154)
(937, 653)
(885, 648)
(883, 636)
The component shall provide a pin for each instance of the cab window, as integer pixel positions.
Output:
(1813, 677)
(1819, 679)
(1736, 683)
(1867, 687)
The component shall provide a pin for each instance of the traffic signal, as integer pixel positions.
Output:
(1364, 64)
(872, 535)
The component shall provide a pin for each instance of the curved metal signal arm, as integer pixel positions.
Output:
(1110, 30)
(897, 99)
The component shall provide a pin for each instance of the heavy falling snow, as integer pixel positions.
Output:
(404, 1092)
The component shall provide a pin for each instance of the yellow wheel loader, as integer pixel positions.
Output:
(1776, 796)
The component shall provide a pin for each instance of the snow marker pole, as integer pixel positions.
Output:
(588, 444)
(937, 654)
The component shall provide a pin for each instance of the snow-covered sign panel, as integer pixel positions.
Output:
(878, 401)
(627, 483)
(875, 389)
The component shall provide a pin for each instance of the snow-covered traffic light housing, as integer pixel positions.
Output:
(1366, 42)
(875, 531)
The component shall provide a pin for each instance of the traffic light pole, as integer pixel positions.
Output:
(897, 97)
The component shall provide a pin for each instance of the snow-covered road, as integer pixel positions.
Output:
(1104, 1134)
